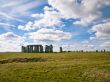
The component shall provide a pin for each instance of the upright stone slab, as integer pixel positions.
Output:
(28, 48)
(36, 48)
(41, 48)
(23, 49)
(51, 48)
(31, 49)
(46, 48)
(61, 50)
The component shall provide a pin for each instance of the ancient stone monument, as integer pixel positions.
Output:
(37, 49)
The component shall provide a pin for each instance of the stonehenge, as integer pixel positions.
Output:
(37, 49)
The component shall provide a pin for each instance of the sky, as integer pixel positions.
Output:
(72, 24)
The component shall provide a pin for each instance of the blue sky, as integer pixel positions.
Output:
(72, 24)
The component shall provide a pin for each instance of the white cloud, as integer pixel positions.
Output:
(87, 11)
(50, 18)
(101, 35)
(106, 45)
(16, 8)
(26, 7)
(68, 8)
(102, 31)
(27, 27)
(10, 42)
(37, 15)
(6, 25)
(86, 20)
(76, 46)
(19, 7)
(45, 34)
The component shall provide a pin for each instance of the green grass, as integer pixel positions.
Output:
(58, 67)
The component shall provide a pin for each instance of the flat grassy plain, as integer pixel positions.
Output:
(57, 67)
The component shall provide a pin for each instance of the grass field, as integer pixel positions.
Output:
(57, 67)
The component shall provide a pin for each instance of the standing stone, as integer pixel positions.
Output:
(51, 48)
(61, 50)
(41, 48)
(36, 48)
(28, 48)
(104, 50)
(22, 48)
(31, 48)
(97, 51)
(46, 48)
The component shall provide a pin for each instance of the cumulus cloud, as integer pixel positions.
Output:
(10, 42)
(86, 20)
(101, 35)
(102, 31)
(45, 34)
(72, 10)
(29, 26)
(87, 10)
(50, 18)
